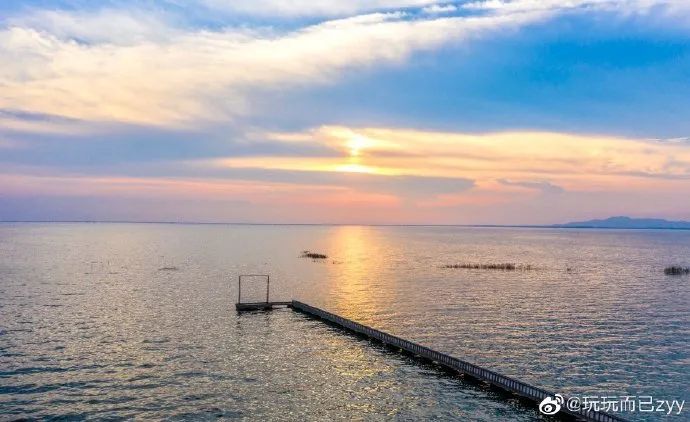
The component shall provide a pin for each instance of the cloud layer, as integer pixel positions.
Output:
(134, 66)
(171, 110)
(201, 75)
(419, 176)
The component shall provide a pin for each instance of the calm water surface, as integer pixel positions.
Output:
(122, 320)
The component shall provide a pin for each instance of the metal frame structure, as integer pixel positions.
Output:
(239, 285)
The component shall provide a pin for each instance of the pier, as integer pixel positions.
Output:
(511, 385)
(261, 306)
(502, 382)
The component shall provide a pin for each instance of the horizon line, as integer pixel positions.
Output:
(533, 226)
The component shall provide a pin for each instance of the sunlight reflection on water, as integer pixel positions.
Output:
(117, 320)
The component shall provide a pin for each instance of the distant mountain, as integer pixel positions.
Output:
(628, 223)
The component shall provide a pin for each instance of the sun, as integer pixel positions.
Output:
(356, 143)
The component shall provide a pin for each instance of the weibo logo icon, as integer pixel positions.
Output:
(551, 405)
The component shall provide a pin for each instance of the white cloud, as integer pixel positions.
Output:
(130, 66)
(437, 9)
(207, 74)
(629, 6)
(111, 26)
(301, 8)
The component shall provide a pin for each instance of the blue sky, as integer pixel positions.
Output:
(387, 111)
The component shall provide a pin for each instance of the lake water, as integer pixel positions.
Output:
(123, 320)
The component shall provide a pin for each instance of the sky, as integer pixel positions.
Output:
(349, 112)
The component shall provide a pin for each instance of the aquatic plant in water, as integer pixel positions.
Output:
(676, 270)
(313, 255)
(492, 266)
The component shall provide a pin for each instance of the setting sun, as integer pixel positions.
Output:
(357, 143)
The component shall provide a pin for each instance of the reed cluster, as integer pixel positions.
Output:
(492, 266)
(313, 255)
(675, 270)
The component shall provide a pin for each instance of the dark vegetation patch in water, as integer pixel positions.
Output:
(491, 266)
(676, 270)
(313, 255)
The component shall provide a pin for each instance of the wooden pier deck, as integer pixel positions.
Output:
(260, 306)
(503, 382)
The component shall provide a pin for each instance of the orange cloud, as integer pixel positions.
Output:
(574, 162)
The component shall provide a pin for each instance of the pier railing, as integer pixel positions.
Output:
(506, 383)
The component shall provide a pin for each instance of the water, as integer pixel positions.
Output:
(124, 320)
